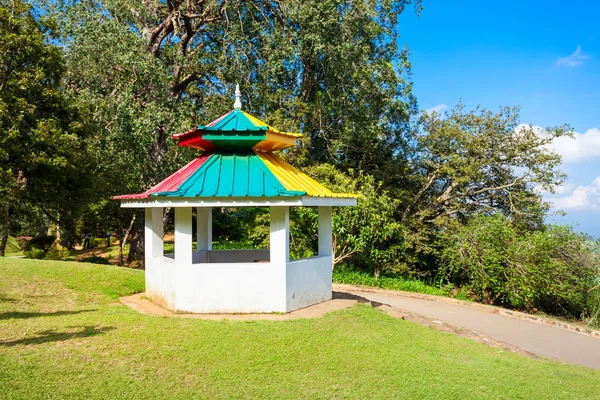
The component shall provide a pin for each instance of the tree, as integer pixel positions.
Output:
(478, 162)
(41, 148)
(146, 70)
(553, 270)
(368, 235)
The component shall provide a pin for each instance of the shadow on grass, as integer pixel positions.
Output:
(360, 299)
(27, 315)
(7, 300)
(52, 335)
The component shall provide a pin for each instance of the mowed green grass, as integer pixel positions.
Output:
(63, 334)
(12, 247)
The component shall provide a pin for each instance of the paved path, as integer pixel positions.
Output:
(542, 340)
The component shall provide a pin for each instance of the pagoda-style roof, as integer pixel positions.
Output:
(243, 173)
(239, 163)
(237, 130)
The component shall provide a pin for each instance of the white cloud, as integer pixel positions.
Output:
(582, 197)
(584, 147)
(438, 109)
(580, 147)
(558, 190)
(564, 188)
(573, 60)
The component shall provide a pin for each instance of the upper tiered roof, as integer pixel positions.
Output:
(237, 130)
(238, 162)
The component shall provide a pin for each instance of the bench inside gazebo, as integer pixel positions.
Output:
(236, 169)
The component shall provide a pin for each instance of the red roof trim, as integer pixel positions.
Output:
(195, 129)
(194, 140)
(171, 183)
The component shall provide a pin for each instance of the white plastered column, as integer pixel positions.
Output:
(203, 228)
(280, 235)
(325, 231)
(183, 235)
(153, 233)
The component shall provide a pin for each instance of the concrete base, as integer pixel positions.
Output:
(226, 285)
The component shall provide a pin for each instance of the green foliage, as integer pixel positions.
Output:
(368, 234)
(42, 155)
(42, 242)
(551, 270)
(225, 245)
(96, 260)
(36, 254)
(594, 314)
(13, 245)
(468, 162)
(54, 253)
(350, 276)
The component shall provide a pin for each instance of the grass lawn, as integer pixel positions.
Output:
(64, 335)
(12, 248)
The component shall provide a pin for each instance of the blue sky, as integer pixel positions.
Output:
(541, 55)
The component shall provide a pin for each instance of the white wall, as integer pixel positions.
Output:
(231, 288)
(308, 282)
(160, 281)
(252, 287)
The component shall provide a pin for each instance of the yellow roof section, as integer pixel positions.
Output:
(293, 179)
(258, 122)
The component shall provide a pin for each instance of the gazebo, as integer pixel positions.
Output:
(237, 168)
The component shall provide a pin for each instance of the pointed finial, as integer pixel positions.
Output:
(238, 101)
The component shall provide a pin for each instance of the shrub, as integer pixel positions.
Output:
(24, 242)
(552, 270)
(233, 245)
(93, 242)
(42, 242)
(96, 260)
(367, 235)
(54, 253)
(593, 317)
(347, 275)
(37, 254)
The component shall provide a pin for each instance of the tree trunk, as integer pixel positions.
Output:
(121, 239)
(125, 236)
(136, 248)
(68, 236)
(3, 244)
(4, 230)
(376, 272)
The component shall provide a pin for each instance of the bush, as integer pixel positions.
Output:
(234, 245)
(24, 242)
(96, 260)
(37, 254)
(42, 242)
(349, 276)
(54, 253)
(552, 270)
(367, 235)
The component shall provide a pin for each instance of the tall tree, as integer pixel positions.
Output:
(41, 151)
(469, 162)
(149, 69)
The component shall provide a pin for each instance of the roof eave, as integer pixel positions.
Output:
(282, 201)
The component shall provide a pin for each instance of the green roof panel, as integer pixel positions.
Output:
(232, 174)
(235, 121)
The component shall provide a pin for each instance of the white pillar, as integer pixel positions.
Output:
(325, 232)
(203, 228)
(183, 235)
(153, 232)
(280, 235)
